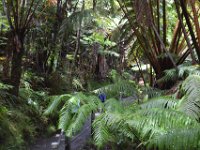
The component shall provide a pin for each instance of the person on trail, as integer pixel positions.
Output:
(102, 97)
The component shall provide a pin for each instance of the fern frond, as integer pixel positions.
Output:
(158, 116)
(152, 122)
(64, 119)
(55, 102)
(113, 105)
(170, 75)
(190, 103)
(124, 87)
(160, 102)
(80, 118)
(192, 85)
(102, 135)
(186, 70)
(152, 92)
(190, 107)
(75, 111)
(183, 71)
(177, 139)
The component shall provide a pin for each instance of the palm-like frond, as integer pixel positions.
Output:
(75, 110)
(191, 85)
(55, 102)
(190, 103)
(121, 87)
(102, 135)
(142, 125)
(160, 102)
(152, 122)
(64, 119)
(80, 118)
(151, 92)
(183, 71)
(170, 75)
(73, 21)
(113, 105)
(177, 139)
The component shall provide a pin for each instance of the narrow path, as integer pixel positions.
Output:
(58, 141)
(47, 144)
(79, 141)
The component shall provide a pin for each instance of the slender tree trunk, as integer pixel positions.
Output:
(158, 24)
(185, 34)
(187, 19)
(94, 5)
(78, 36)
(77, 46)
(57, 23)
(196, 22)
(102, 66)
(164, 23)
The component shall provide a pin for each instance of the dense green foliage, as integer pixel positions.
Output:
(163, 122)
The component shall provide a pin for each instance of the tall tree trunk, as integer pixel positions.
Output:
(78, 37)
(185, 34)
(196, 22)
(187, 19)
(164, 23)
(78, 34)
(102, 67)
(16, 69)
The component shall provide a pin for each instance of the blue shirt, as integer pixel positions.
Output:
(102, 97)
